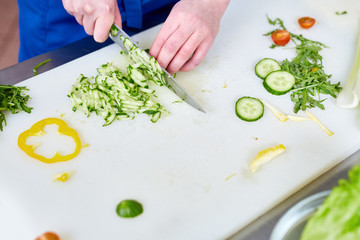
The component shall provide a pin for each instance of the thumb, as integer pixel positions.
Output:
(102, 27)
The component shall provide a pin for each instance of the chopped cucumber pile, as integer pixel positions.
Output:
(115, 95)
(151, 68)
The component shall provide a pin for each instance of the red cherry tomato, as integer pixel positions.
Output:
(280, 37)
(48, 236)
(306, 22)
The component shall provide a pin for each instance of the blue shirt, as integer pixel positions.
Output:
(45, 25)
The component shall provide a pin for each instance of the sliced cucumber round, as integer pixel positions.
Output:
(249, 109)
(279, 82)
(266, 66)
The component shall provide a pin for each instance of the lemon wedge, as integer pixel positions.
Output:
(265, 156)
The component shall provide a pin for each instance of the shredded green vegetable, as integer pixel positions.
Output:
(114, 30)
(113, 94)
(179, 101)
(341, 13)
(39, 65)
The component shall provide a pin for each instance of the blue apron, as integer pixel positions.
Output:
(45, 25)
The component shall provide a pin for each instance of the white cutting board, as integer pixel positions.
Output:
(177, 168)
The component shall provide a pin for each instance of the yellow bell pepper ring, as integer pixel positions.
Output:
(37, 130)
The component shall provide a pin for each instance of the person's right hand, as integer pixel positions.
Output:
(187, 34)
(97, 16)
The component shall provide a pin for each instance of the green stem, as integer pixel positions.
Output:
(39, 65)
(301, 88)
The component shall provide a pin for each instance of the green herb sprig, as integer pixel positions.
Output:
(14, 100)
(307, 67)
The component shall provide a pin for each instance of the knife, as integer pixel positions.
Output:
(116, 33)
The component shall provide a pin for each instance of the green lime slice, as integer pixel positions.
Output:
(129, 208)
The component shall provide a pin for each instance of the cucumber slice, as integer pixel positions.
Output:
(266, 66)
(249, 109)
(279, 82)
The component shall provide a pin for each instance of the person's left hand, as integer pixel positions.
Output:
(187, 34)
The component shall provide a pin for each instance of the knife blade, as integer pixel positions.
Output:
(116, 33)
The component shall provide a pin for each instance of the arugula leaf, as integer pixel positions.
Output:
(12, 99)
(276, 21)
(311, 80)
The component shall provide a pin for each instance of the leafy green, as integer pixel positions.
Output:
(311, 80)
(339, 215)
(129, 208)
(12, 99)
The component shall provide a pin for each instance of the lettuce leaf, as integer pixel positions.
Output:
(339, 215)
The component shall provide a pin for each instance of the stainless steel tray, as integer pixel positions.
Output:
(261, 228)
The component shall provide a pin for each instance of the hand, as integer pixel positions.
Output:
(187, 34)
(97, 16)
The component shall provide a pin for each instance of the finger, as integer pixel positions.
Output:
(197, 57)
(88, 10)
(68, 7)
(117, 19)
(88, 17)
(77, 7)
(172, 45)
(89, 24)
(165, 32)
(184, 53)
(102, 27)
(79, 18)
